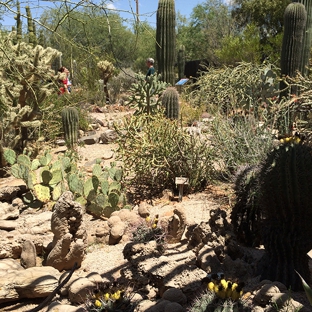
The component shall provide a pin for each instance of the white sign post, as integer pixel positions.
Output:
(181, 182)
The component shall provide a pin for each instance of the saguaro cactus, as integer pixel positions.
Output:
(70, 120)
(307, 38)
(285, 199)
(295, 17)
(170, 100)
(166, 40)
(181, 61)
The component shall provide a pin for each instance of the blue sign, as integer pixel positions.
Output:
(182, 82)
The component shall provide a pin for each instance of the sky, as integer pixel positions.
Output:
(147, 9)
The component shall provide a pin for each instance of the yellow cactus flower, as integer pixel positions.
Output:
(106, 296)
(148, 219)
(154, 226)
(98, 303)
(211, 286)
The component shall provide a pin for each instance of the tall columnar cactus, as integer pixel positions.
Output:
(70, 120)
(166, 39)
(30, 27)
(170, 100)
(295, 17)
(181, 61)
(18, 23)
(307, 38)
(285, 197)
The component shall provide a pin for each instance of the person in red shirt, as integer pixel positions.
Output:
(64, 80)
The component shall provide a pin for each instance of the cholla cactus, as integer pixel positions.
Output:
(26, 79)
(106, 71)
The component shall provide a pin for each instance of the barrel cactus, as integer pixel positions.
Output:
(295, 18)
(285, 196)
(70, 120)
(170, 101)
(166, 40)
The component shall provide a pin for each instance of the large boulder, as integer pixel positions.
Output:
(35, 282)
(70, 235)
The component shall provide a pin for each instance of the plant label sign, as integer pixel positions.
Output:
(181, 180)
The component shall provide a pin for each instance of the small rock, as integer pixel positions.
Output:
(144, 209)
(56, 306)
(174, 295)
(79, 290)
(89, 140)
(60, 142)
(108, 155)
(108, 136)
(28, 255)
(7, 193)
(7, 225)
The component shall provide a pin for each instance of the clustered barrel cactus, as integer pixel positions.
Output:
(166, 40)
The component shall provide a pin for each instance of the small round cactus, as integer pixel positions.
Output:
(170, 101)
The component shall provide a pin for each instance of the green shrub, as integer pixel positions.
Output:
(239, 141)
(155, 150)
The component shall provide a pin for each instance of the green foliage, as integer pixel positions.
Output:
(166, 40)
(155, 150)
(170, 101)
(285, 180)
(70, 121)
(145, 94)
(295, 17)
(246, 86)
(239, 140)
(242, 47)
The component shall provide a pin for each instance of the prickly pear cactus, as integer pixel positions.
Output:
(285, 197)
(170, 101)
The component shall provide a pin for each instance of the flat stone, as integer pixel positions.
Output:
(89, 140)
(8, 225)
(36, 282)
(7, 193)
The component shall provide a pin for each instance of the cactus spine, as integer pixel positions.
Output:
(70, 120)
(181, 61)
(285, 199)
(295, 17)
(166, 39)
(170, 100)
(307, 38)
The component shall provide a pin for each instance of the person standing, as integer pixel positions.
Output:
(63, 80)
(150, 65)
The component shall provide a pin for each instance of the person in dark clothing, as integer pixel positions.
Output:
(150, 65)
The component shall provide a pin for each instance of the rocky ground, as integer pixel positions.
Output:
(180, 266)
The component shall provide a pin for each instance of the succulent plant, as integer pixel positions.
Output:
(295, 17)
(166, 40)
(145, 94)
(170, 100)
(285, 196)
(307, 38)
(246, 216)
(70, 121)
